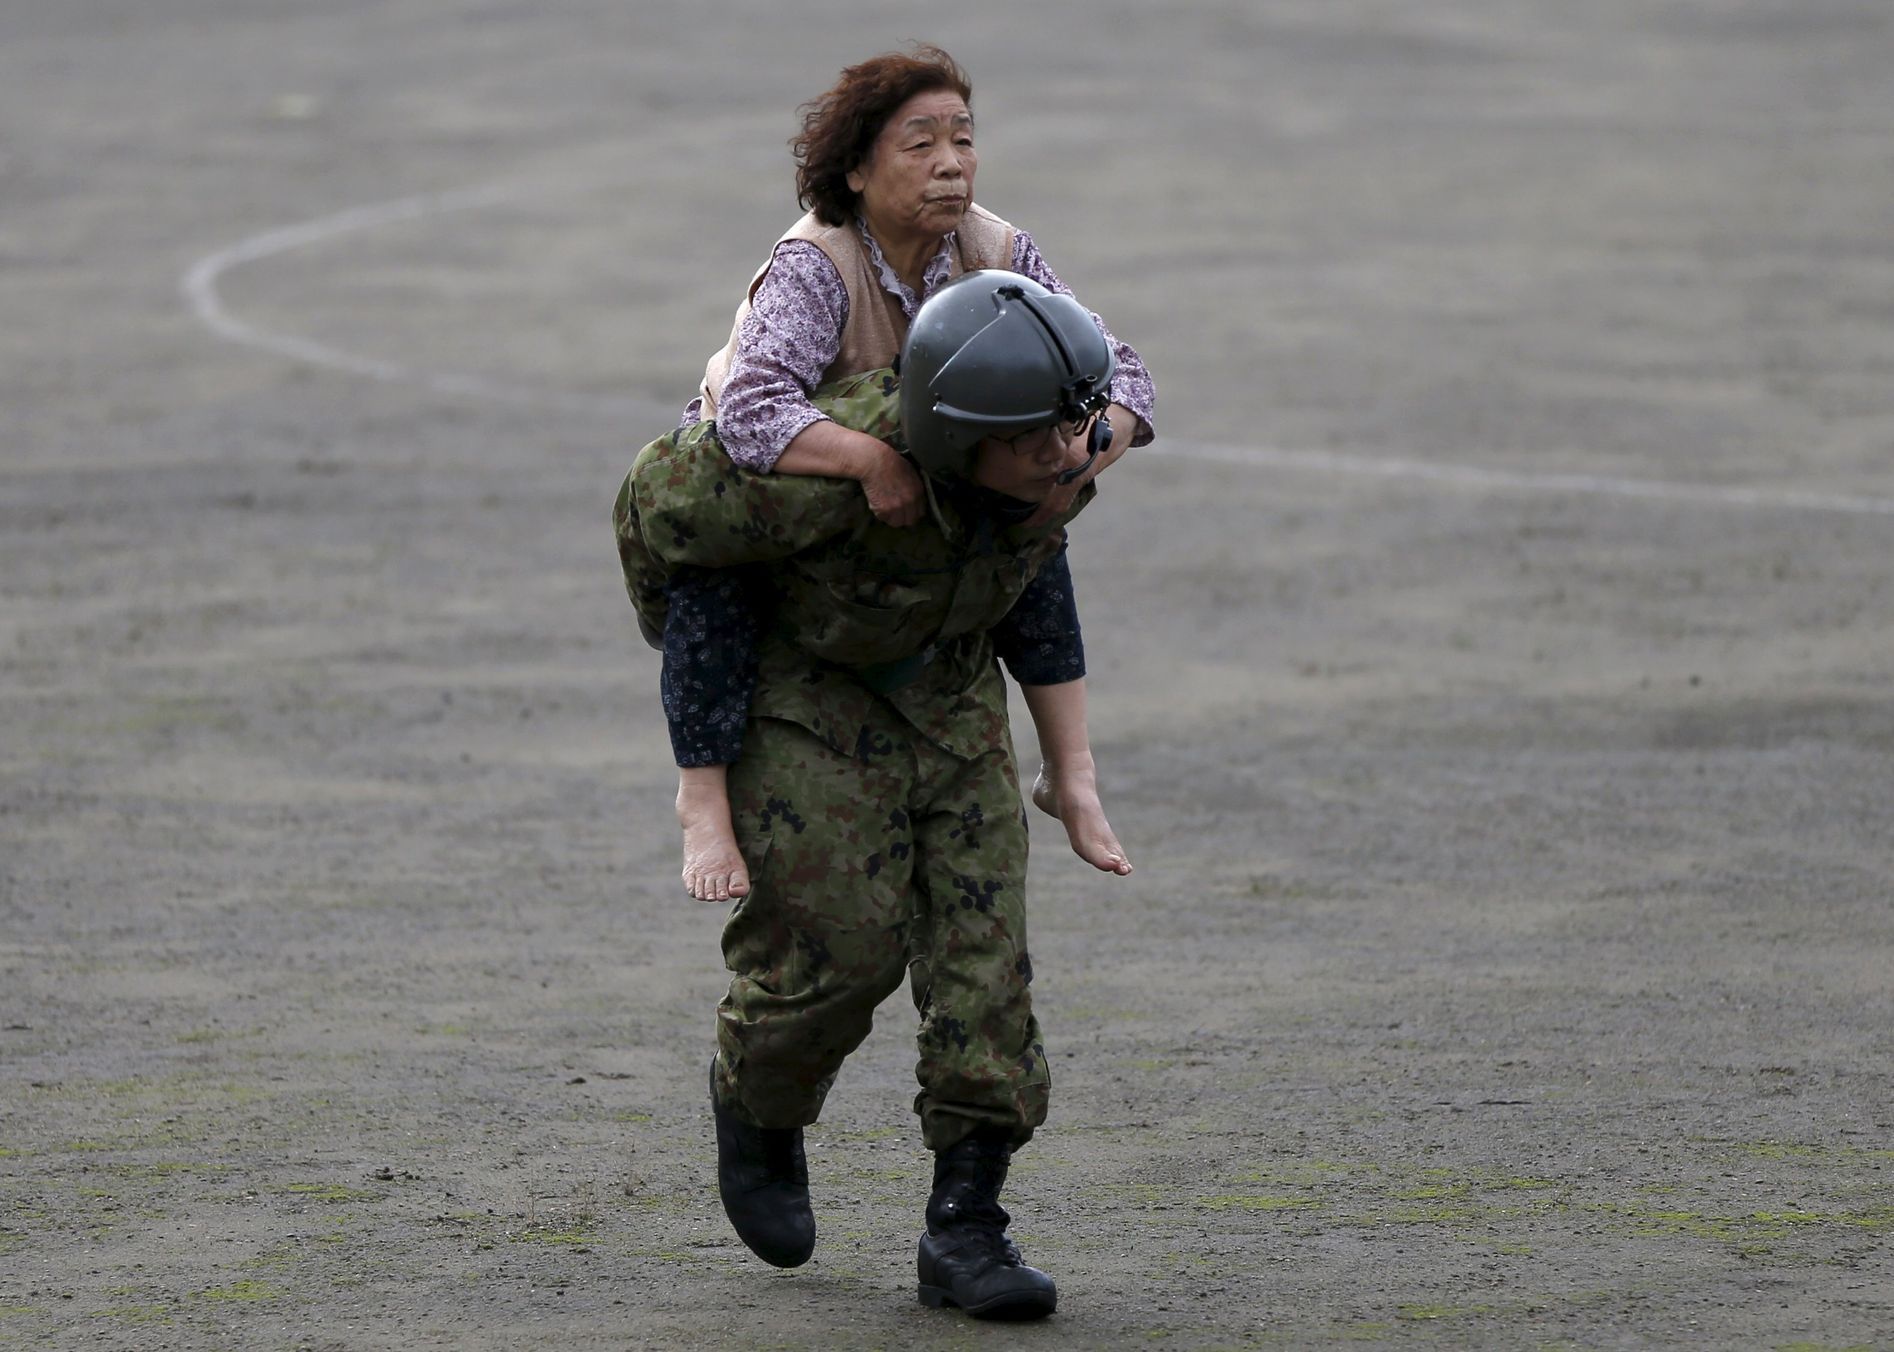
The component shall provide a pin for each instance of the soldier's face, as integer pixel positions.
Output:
(1027, 467)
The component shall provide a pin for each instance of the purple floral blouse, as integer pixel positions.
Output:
(794, 331)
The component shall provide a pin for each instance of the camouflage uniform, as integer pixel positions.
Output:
(876, 800)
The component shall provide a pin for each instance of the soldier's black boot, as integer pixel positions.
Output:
(764, 1181)
(966, 1258)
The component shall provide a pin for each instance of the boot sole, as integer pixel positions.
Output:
(1014, 1307)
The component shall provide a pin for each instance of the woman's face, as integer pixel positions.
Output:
(918, 177)
(1028, 466)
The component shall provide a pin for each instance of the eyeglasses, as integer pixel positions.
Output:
(1034, 437)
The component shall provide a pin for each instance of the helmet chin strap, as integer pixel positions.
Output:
(1096, 444)
(933, 506)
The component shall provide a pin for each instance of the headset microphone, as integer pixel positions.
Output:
(1096, 444)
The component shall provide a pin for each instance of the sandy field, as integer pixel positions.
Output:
(1492, 676)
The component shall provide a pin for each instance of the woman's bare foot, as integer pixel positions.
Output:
(1075, 803)
(713, 865)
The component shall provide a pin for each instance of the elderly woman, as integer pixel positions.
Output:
(885, 165)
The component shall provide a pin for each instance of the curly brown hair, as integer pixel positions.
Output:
(839, 127)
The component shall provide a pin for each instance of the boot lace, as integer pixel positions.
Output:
(980, 1224)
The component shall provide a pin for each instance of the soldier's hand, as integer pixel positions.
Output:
(1124, 425)
(893, 487)
(1054, 504)
(1059, 497)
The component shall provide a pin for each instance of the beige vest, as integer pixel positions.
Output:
(876, 323)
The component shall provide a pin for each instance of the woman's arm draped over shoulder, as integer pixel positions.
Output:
(692, 507)
(791, 336)
(687, 504)
(1132, 387)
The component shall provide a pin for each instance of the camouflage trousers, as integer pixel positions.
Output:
(909, 862)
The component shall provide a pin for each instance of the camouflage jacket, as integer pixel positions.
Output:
(856, 615)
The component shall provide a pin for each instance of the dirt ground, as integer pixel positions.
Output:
(1490, 667)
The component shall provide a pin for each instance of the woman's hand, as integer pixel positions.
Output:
(893, 486)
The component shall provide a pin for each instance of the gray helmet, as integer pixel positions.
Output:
(993, 353)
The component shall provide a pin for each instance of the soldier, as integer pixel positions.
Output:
(876, 799)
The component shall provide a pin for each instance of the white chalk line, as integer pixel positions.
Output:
(1490, 480)
(199, 287)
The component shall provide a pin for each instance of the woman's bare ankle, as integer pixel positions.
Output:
(1045, 793)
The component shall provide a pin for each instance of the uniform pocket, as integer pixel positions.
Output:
(840, 626)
